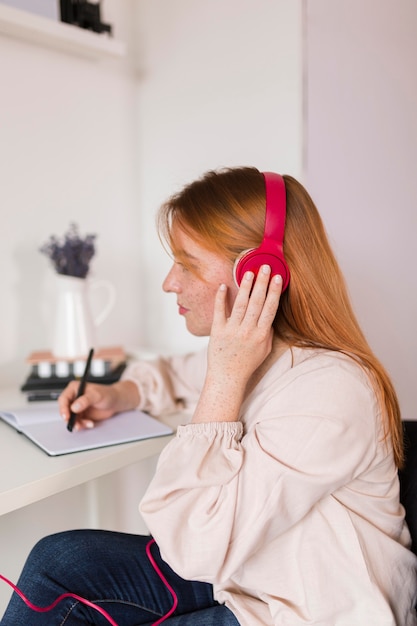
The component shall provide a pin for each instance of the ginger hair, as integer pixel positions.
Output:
(225, 212)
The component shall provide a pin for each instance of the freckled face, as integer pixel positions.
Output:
(195, 278)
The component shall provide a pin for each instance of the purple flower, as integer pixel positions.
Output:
(72, 255)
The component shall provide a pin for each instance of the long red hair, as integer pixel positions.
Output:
(225, 212)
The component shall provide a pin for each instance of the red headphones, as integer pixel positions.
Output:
(270, 252)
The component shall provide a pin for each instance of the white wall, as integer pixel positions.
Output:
(103, 143)
(67, 153)
(220, 85)
(361, 139)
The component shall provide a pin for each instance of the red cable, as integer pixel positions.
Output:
(95, 606)
(53, 605)
(166, 583)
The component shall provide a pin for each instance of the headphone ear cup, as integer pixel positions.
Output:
(252, 260)
(239, 266)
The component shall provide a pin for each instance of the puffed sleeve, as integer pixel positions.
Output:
(168, 384)
(220, 493)
(197, 493)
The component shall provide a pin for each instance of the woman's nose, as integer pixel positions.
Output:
(171, 283)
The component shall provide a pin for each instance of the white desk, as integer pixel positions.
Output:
(29, 475)
(40, 494)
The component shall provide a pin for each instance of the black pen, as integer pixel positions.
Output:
(81, 389)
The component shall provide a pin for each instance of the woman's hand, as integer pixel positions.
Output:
(238, 344)
(99, 402)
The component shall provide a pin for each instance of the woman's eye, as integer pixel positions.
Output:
(181, 266)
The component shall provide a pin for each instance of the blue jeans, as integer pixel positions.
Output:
(112, 570)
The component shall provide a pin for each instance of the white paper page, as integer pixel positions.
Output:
(21, 417)
(55, 439)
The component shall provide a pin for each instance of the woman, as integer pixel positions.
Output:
(279, 502)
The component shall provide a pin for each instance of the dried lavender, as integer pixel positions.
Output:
(72, 255)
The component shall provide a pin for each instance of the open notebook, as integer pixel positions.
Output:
(45, 427)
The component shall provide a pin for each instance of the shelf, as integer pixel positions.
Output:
(58, 35)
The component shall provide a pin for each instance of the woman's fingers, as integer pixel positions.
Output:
(271, 303)
(220, 306)
(97, 403)
(241, 302)
(80, 424)
(240, 343)
(254, 308)
(66, 398)
(257, 300)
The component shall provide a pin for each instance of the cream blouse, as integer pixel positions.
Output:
(293, 512)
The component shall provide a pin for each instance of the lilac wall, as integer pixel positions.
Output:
(361, 164)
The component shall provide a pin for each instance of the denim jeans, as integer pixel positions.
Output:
(112, 570)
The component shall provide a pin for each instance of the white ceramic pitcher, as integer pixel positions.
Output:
(74, 329)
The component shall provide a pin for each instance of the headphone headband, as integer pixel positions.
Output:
(270, 252)
(275, 213)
